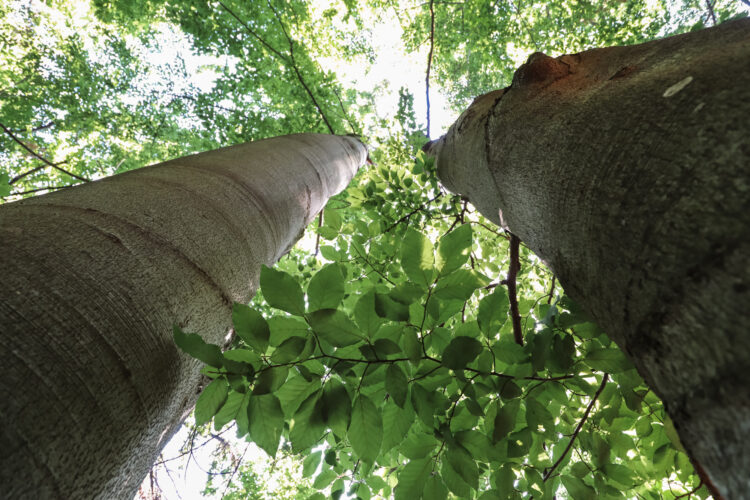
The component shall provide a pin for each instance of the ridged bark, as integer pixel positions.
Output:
(94, 277)
(627, 169)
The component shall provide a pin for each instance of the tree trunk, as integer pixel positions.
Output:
(627, 169)
(94, 277)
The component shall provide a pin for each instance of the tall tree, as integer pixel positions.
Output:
(95, 277)
(625, 168)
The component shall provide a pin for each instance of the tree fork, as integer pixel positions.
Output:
(95, 276)
(626, 169)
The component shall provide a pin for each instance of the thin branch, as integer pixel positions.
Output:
(253, 33)
(317, 237)
(691, 492)
(296, 69)
(37, 155)
(711, 11)
(578, 427)
(510, 282)
(21, 176)
(37, 190)
(429, 63)
(408, 216)
(551, 290)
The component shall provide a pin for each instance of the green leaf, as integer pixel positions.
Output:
(459, 285)
(289, 350)
(643, 427)
(250, 326)
(266, 422)
(620, 474)
(460, 352)
(310, 463)
(607, 360)
(577, 489)
(417, 258)
(332, 219)
(5, 188)
(334, 327)
(411, 344)
(493, 311)
(396, 384)
(453, 249)
(282, 291)
(579, 470)
(365, 315)
(229, 410)
(307, 426)
(434, 489)
(503, 421)
(453, 481)
(386, 307)
(212, 398)
(326, 288)
(335, 406)
(396, 423)
(283, 328)
(270, 379)
(366, 429)
(418, 445)
(464, 464)
(411, 479)
(193, 344)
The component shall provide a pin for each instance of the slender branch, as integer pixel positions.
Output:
(429, 63)
(691, 492)
(578, 427)
(253, 33)
(21, 176)
(37, 155)
(37, 190)
(408, 216)
(317, 236)
(352, 126)
(296, 69)
(551, 290)
(513, 268)
(711, 11)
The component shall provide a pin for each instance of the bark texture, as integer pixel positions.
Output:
(94, 277)
(628, 170)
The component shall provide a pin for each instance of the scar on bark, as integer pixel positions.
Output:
(540, 69)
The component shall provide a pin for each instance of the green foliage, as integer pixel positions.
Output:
(387, 359)
(397, 369)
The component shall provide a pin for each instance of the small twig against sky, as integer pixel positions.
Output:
(513, 267)
(551, 290)
(297, 71)
(317, 236)
(408, 216)
(578, 427)
(711, 12)
(429, 63)
(37, 155)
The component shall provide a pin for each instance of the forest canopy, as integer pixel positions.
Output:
(408, 347)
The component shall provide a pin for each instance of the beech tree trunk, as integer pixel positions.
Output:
(627, 169)
(93, 279)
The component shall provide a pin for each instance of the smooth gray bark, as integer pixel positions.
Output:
(94, 277)
(627, 169)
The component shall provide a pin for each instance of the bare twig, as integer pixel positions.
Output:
(551, 290)
(296, 69)
(578, 427)
(317, 237)
(21, 176)
(510, 282)
(50, 188)
(37, 155)
(691, 492)
(408, 216)
(429, 63)
(711, 13)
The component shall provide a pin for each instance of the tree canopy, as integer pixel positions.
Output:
(412, 348)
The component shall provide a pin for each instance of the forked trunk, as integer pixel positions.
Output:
(94, 277)
(628, 170)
